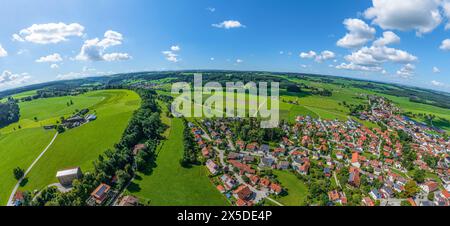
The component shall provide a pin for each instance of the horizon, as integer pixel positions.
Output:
(50, 40)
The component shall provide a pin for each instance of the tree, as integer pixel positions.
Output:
(419, 176)
(430, 196)
(405, 203)
(411, 189)
(61, 129)
(18, 173)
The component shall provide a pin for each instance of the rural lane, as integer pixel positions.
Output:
(11, 197)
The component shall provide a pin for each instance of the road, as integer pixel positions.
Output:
(11, 197)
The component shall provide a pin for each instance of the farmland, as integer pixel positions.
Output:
(296, 189)
(169, 184)
(81, 146)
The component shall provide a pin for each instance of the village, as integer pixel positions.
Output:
(378, 166)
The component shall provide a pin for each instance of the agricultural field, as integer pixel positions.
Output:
(81, 146)
(169, 184)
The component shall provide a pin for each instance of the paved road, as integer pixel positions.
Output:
(11, 197)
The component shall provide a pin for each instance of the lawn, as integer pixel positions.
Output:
(296, 189)
(81, 146)
(169, 184)
(19, 149)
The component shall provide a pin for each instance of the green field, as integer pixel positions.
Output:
(81, 146)
(297, 190)
(169, 184)
(22, 95)
(19, 149)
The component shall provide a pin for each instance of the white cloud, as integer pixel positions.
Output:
(94, 49)
(436, 83)
(356, 67)
(212, 59)
(49, 33)
(238, 61)
(423, 16)
(388, 38)
(50, 58)
(175, 48)
(211, 9)
(54, 66)
(446, 9)
(116, 56)
(229, 24)
(308, 55)
(3, 52)
(436, 70)
(324, 55)
(22, 51)
(376, 55)
(359, 33)
(406, 71)
(9, 79)
(171, 56)
(445, 45)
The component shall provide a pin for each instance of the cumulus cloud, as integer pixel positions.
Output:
(175, 48)
(359, 33)
(54, 66)
(388, 38)
(308, 55)
(94, 49)
(3, 52)
(406, 71)
(9, 79)
(50, 58)
(423, 16)
(171, 54)
(376, 55)
(356, 67)
(436, 83)
(238, 61)
(436, 70)
(49, 33)
(229, 24)
(324, 55)
(445, 45)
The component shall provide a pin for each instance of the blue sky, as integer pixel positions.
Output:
(50, 40)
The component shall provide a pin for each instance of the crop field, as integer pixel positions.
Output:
(169, 184)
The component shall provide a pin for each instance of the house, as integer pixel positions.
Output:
(129, 201)
(304, 169)
(366, 201)
(91, 117)
(101, 193)
(412, 202)
(243, 168)
(18, 198)
(283, 165)
(221, 188)
(276, 188)
(429, 186)
(233, 156)
(327, 172)
(243, 192)
(339, 156)
(267, 162)
(387, 192)
(264, 148)
(264, 182)
(206, 153)
(426, 203)
(354, 177)
(337, 197)
(66, 177)
(249, 159)
(355, 160)
(228, 182)
(212, 167)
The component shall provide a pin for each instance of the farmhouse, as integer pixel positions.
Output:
(66, 177)
(100, 194)
(129, 201)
